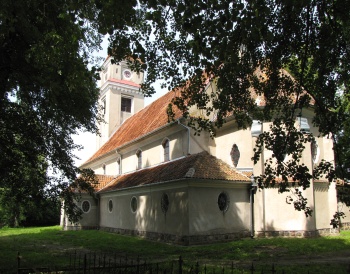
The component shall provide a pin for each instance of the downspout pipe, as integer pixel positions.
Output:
(188, 136)
(252, 191)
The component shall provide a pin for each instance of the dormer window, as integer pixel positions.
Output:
(126, 104)
(139, 159)
(165, 144)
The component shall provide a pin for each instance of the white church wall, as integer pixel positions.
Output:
(149, 215)
(326, 204)
(281, 216)
(205, 215)
(226, 138)
(152, 150)
(199, 143)
(89, 218)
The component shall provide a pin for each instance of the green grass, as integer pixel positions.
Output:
(50, 245)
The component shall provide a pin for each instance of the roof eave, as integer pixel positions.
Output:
(189, 181)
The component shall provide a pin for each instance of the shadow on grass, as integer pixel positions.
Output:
(51, 246)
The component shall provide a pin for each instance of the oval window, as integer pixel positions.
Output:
(235, 155)
(223, 201)
(164, 203)
(85, 206)
(133, 204)
(110, 205)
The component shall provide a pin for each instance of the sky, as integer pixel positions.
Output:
(88, 140)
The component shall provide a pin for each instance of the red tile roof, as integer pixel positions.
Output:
(141, 123)
(103, 180)
(197, 166)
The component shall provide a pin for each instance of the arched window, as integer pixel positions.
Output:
(315, 151)
(119, 170)
(164, 203)
(110, 206)
(139, 159)
(133, 204)
(104, 106)
(165, 145)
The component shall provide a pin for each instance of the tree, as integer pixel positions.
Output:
(28, 200)
(293, 54)
(47, 93)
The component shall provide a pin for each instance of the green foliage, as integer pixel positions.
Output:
(291, 55)
(47, 93)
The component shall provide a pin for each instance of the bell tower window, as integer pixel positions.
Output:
(126, 104)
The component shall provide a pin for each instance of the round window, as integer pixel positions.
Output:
(110, 205)
(85, 206)
(133, 204)
(223, 201)
(164, 203)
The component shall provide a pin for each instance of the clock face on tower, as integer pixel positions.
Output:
(127, 74)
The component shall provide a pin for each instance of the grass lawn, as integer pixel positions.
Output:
(46, 246)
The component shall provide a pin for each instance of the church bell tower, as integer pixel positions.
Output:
(120, 97)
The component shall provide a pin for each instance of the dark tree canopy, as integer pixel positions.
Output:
(47, 90)
(294, 53)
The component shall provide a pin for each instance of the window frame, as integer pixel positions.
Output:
(104, 106)
(139, 159)
(123, 107)
(110, 205)
(119, 171)
(134, 204)
(82, 206)
(164, 203)
(166, 150)
(223, 201)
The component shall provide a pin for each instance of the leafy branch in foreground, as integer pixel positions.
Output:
(269, 61)
(47, 88)
(71, 194)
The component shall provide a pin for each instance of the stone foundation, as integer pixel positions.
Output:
(180, 239)
(78, 227)
(299, 233)
(345, 226)
(208, 239)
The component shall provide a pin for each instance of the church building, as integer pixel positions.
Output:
(160, 181)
